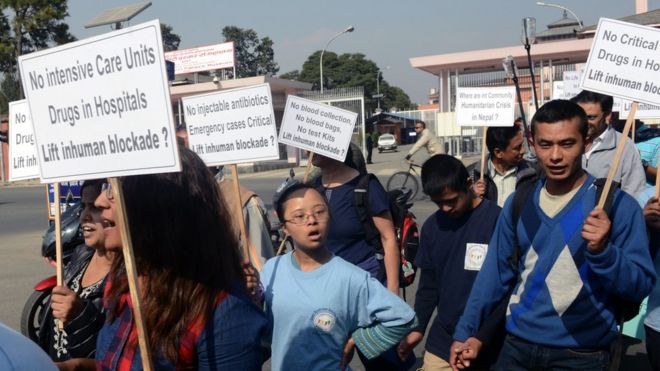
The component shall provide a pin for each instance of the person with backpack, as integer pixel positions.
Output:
(505, 167)
(347, 236)
(453, 245)
(565, 263)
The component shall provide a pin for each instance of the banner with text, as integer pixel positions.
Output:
(317, 127)
(232, 126)
(624, 62)
(23, 163)
(644, 111)
(485, 106)
(101, 107)
(202, 58)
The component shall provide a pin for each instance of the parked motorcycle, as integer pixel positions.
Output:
(39, 300)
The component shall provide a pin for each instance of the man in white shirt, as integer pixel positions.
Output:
(425, 139)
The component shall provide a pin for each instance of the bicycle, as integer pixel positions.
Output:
(405, 180)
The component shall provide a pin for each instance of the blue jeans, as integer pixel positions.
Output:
(518, 354)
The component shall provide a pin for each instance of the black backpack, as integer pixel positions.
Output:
(405, 225)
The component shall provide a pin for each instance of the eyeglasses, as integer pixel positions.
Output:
(107, 189)
(320, 215)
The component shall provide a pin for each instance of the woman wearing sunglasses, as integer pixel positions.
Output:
(78, 303)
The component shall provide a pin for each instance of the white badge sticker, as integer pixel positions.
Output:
(475, 254)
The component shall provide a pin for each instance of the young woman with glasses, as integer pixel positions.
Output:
(321, 306)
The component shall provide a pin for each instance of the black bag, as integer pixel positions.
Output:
(405, 226)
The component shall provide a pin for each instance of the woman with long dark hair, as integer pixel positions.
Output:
(192, 286)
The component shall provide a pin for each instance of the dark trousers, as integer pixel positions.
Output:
(518, 354)
(369, 150)
(653, 347)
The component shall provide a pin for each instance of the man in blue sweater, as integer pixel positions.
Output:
(575, 261)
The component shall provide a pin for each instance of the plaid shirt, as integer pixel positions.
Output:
(123, 351)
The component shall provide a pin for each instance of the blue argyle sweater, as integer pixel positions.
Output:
(563, 295)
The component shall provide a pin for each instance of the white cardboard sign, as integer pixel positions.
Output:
(23, 163)
(624, 62)
(232, 126)
(101, 106)
(317, 127)
(644, 110)
(485, 106)
(202, 58)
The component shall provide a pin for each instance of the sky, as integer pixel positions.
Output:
(388, 32)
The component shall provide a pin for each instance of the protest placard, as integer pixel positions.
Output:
(493, 106)
(232, 126)
(202, 58)
(624, 62)
(23, 163)
(317, 127)
(568, 87)
(100, 107)
(644, 111)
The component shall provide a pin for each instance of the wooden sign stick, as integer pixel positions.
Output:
(58, 243)
(483, 155)
(131, 273)
(657, 180)
(248, 248)
(308, 171)
(617, 156)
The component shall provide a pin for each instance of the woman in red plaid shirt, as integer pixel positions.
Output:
(195, 306)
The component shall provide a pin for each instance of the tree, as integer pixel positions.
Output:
(346, 70)
(254, 57)
(171, 40)
(34, 25)
(291, 75)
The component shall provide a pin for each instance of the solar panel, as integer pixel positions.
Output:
(118, 15)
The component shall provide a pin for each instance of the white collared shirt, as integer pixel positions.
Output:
(505, 183)
(596, 143)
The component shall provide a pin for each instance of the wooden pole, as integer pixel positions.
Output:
(248, 248)
(483, 154)
(59, 271)
(657, 179)
(131, 273)
(308, 171)
(617, 155)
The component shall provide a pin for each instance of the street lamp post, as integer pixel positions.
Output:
(348, 29)
(540, 3)
(509, 65)
(378, 95)
(529, 35)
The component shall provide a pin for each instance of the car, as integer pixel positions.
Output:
(386, 142)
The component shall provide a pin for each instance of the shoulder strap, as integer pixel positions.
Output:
(361, 202)
(520, 197)
(600, 185)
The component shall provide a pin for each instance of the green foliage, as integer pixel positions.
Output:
(29, 25)
(171, 40)
(254, 56)
(348, 70)
(291, 75)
